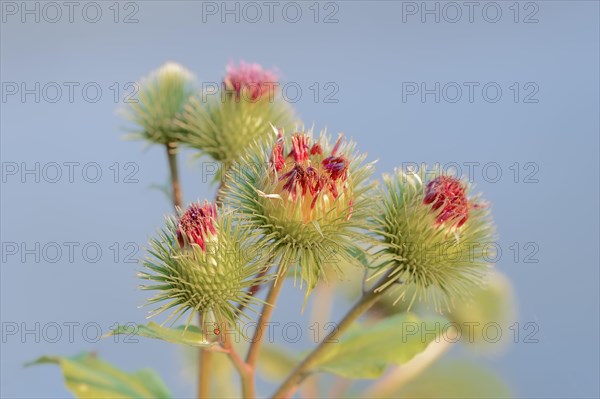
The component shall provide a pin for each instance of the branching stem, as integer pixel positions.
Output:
(368, 299)
(265, 316)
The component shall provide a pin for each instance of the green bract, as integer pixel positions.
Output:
(222, 126)
(161, 98)
(310, 206)
(215, 280)
(429, 245)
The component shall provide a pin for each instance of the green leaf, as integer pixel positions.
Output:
(491, 304)
(456, 379)
(88, 377)
(179, 335)
(365, 352)
(276, 362)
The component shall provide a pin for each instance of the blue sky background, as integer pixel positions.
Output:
(367, 54)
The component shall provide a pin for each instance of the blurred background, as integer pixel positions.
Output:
(506, 91)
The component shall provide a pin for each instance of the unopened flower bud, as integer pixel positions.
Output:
(224, 124)
(188, 275)
(161, 100)
(430, 238)
(250, 81)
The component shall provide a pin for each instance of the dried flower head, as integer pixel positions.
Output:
(222, 125)
(432, 237)
(161, 99)
(250, 81)
(201, 262)
(307, 198)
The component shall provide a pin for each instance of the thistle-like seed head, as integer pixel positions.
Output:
(203, 262)
(307, 198)
(433, 236)
(161, 99)
(223, 124)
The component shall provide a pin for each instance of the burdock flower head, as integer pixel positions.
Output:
(200, 262)
(160, 101)
(222, 123)
(310, 186)
(197, 225)
(447, 195)
(434, 240)
(250, 81)
(306, 197)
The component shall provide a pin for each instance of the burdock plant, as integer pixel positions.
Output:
(296, 205)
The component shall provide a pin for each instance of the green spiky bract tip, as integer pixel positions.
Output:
(212, 280)
(223, 126)
(161, 98)
(310, 205)
(433, 237)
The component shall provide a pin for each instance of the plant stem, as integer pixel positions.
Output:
(321, 314)
(245, 371)
(246, 374)
(265, 316)
(291, 383)
(175, 185)
(248, 383)
(205, 358)
(367, 300)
